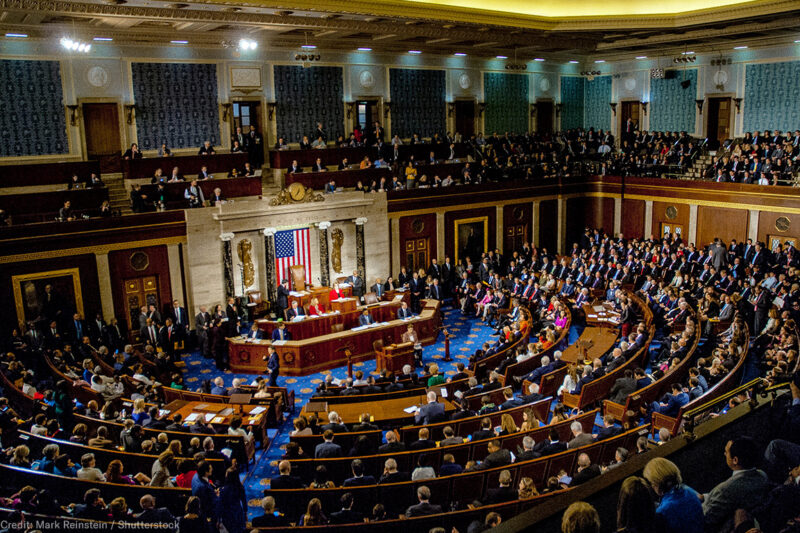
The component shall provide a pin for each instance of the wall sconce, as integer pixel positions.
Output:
(613, 107)
(226, 109)
(738, 103)
(130, 113)
(271, 110)
(73, 114)
(351, 109)
(699, 106)
(387, 109)
(559, 107)
(451, 109)
(481, 108)
(644, 108)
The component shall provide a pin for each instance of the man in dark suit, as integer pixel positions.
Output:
(149, 334)
(357, 282)
(404, 312)
(180, 318)
(295, 168)
(527, 452)
(202, 323)
(392, 445)
(424, 507)
(672, 403)
(270, 518)
(286, 480)
(431, 412)
(334, 424)
(498, 456)
(254, 333)
(273, 366)
(550, 445)
(294, 311)
(623, 387)
(366, 318)
(358, 479)
(282, 299)
(586, 470)
(151, 514)
(78, 328)
(510, 402)
(234, 316)
(504, 493)
(327, 448)
(609, 429)
(346, 515)
(617, 360)
(168, 337)
(255, 147)
(423, 442)
(281, 333)
(486, 430)
(378, 288)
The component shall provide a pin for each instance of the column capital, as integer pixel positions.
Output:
(226, 236)
(360, 221)
(324, 225)
(269, 232)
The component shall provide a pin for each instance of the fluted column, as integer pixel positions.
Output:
(269, 263)
(324, 262)
(361, 263)
(227, 263)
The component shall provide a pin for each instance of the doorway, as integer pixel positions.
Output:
(139, 292)
(465, 118)
(101, 129)
(718, 121)
(417, 254)
(544, 116)
(515, 237)
(367, 113)
(630, 110)
(667, 229)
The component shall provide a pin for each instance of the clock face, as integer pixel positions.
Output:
(297, 191)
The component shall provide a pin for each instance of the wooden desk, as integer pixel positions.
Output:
(224, 414)
(608, 318)
(303, 298)
(28, 175)
(307, 356)
(307, 158)
(189, 165)
(383, 411)
(602, 339)
(343, 178)
(314, 326)
(231, 188)
(44, 206)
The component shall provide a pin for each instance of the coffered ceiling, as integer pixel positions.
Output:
(557, 31)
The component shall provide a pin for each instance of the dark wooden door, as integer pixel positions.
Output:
(630, 110)
(515, 237)
(139, 292)
(544, 117)
(465, 118)
(718, 119)
(417, 254)
(101, 128)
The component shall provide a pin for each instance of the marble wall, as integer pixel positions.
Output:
(247, 219)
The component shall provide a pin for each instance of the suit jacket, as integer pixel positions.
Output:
(404, 313)
(276, 334)
(359, 481)
(581, 440)
(743, 490)
(430, 413)
(590, 472)
(346, 516)
(291, 312)
(423, 509)
(500, 495)
(327, 449)
(622, 388)
(607, 433)
(285, 482)
(549, 448)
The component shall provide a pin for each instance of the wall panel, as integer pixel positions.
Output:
(672, 108)
(588, 212)
(506, 97)
(771, 93)
(727, 224)
(660, 217)
(572, 100)
(450, 219)
(417, 227)
(597, 112)
(306, 96)
(120, 268)
(548, 225)
(766, 225)
(632, 218)
(514, 216)
(418, 102)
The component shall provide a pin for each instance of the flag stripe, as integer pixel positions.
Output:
(292, 248)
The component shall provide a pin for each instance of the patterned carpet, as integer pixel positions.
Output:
(469, 334)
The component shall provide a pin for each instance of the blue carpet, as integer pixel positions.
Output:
(469, 334)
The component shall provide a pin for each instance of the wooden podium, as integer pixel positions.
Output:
(394, 356)
(344, 305)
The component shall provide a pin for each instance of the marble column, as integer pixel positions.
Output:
(648, 217)
(269, 263)
(104, 279)
(227, 263)
(692, 237)
(361, 263)
(324, 260)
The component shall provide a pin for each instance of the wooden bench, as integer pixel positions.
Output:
(38, 174)
(231, 188)
(189, 165)
(24, 208)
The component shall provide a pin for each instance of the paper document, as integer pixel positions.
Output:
(257, 410)
(192, 417)
(411, 410)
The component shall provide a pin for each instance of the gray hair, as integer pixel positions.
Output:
(333, 417)
(576, 427)
(528, 443)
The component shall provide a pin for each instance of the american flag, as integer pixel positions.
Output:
(292, 248)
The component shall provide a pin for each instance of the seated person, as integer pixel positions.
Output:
(248, 171)
(344, 165)
(206, 149)
(204, 173)
(216, 197)
(295, 168)
(314, 308)
(295, 310)
(330, 187)
(194, 194)
(366, 318)
(336, 293)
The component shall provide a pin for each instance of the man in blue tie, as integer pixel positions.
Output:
(435, 290)
(273, 366)
(77, 327)
(378, 288)
(404, 312)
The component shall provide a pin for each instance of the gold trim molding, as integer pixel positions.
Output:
(97, 250)
(17, 280)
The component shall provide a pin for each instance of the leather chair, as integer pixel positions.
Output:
(258, 307)
(341, 279)
(371, 298)
(298, 277)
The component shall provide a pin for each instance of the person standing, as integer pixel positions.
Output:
(255, 148)
(202, 324)
(273, 367)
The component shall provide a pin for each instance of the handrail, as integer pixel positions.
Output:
(723, 398)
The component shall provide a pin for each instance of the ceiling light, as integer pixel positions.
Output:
(247, 44)
(102, 39)
(740, 48)
(179, 42)
(797, 41)
(364, 49)
(502, 57)
(460, 54)
(686, 53)
(600, 61)
(17, 35)
(539, 59)
(574, 62)
(641, 57)
(308, 46)
(414, 51)
(76, 46)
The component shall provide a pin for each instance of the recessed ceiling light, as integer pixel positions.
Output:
(539, 59)
(414, 51)
(686, 53)
(247, 44)
(460, 54)
(17, 35)
(364, 49)
(102, 39)
(179, 42)
(502, 57)
(309, 46)
(574, 62)
(740, 48)
(641, 57)
(600, 61)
